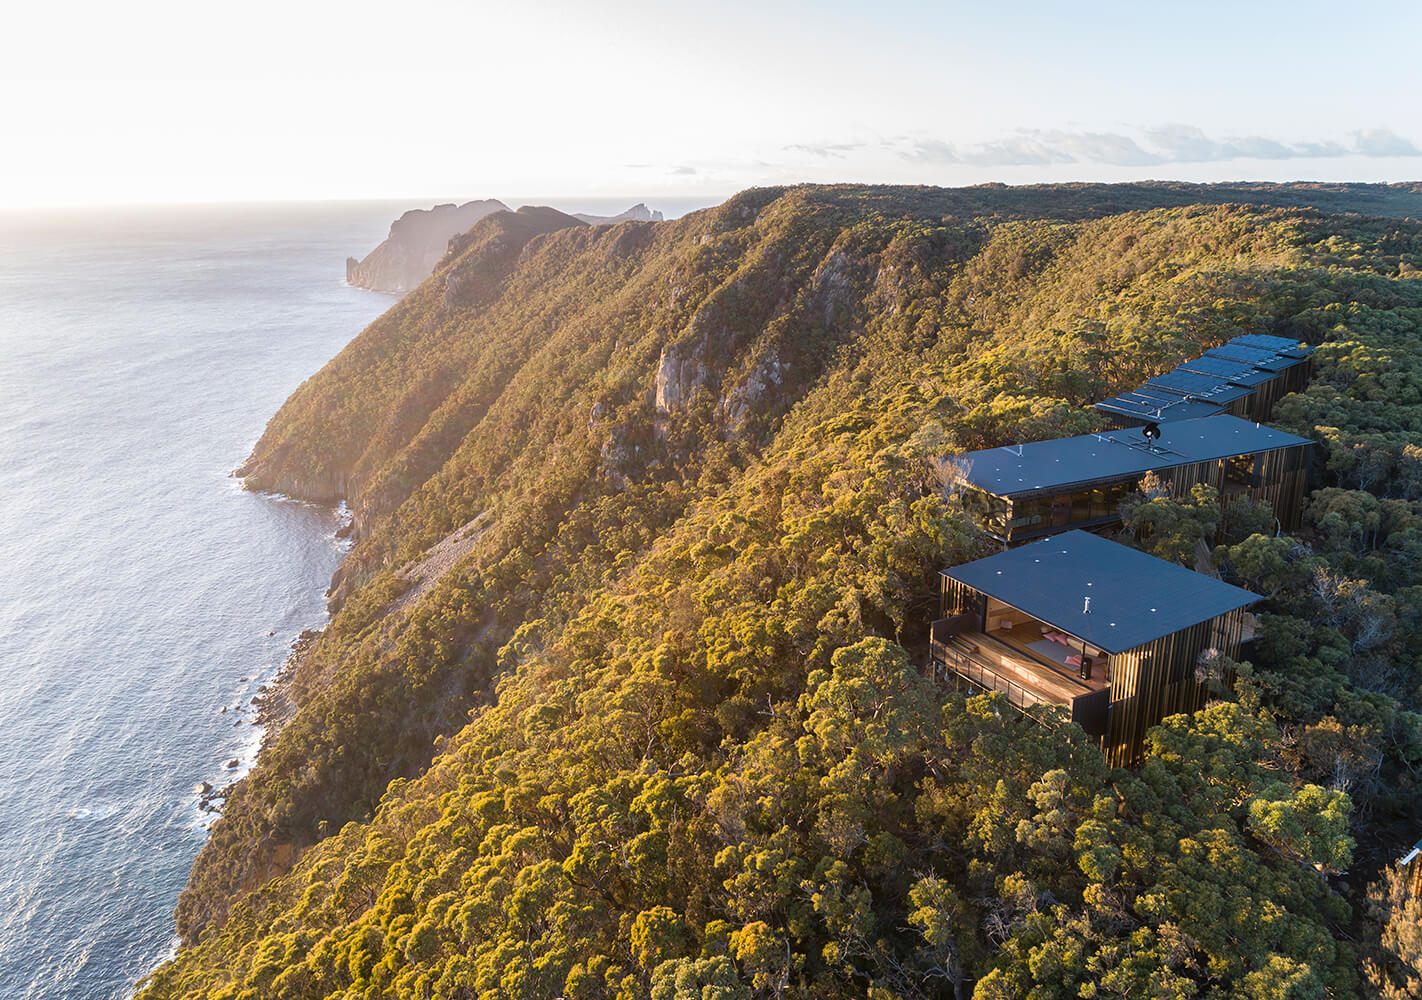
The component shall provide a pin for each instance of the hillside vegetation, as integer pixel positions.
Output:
(663, 731)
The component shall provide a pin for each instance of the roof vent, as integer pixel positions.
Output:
(1086, 608)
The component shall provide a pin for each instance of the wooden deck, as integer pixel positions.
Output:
(1000, 662)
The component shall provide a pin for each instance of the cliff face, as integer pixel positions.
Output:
(342, 463)
(644, 512)
(417, 241)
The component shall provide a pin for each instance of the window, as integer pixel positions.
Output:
(1101, 503)
(1031, 514)
(988, 511)
(1081, 506)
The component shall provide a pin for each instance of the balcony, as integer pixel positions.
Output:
(1026, 678)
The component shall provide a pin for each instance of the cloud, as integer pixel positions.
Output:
(1186, 144)
(1026, 149)
(1162, 144)
(1381, 142)
(1321, 150)
(1258, 147)
(1032, 148)
(826, 149)
(931, 151)
(684, 171)
(1104, 147)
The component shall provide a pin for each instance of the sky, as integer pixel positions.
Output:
(166, 101)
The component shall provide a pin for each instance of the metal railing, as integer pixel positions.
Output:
(952, 655)
(957, 654)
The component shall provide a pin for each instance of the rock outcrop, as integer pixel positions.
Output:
(417, 242)
(420, 238)
(681, 370)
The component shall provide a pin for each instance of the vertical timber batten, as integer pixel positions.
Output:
(1150, 636)
(1168, 676)
(1277, 477)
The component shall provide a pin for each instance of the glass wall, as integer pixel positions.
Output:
(1095, 505)
(989, 512)
(1240, 474)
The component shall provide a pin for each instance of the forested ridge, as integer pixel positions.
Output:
(665, 731)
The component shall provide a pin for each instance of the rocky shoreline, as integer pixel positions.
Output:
(272, 709)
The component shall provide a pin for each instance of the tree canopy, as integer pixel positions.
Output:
(663, 731)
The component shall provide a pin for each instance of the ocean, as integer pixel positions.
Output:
(145, 598)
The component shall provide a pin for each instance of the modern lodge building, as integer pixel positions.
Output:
(1244, 378)
(1062, 617)
(1117, 638)
(1022, 492)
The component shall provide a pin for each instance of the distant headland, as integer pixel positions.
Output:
(420, 238)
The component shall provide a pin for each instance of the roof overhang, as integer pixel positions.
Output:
(1107, 594)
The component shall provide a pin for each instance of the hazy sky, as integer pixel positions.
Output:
(152, 100)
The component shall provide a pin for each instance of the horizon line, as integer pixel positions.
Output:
(712, 198)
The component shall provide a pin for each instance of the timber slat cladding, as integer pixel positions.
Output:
(1278, 478)
(1023, 493)
(1159, 675)
(960, 599)
(1162, 678)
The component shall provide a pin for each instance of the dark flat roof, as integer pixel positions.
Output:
(1227, 370)
(1143, 406)
(1270, 361)
(1155, 392)
(1243, 352)
(1222, 375)
(1113, 455)
(1207, 387)
(1135, 598)
(1280, 345)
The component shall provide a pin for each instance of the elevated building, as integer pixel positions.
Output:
(1022, 492)
(1116, 638)
(1243, 378)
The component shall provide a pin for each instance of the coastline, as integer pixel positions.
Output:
(269, 708)
(140, 609)
(266, 711)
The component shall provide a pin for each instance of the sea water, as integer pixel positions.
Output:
(145, 598)
(142, 592)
